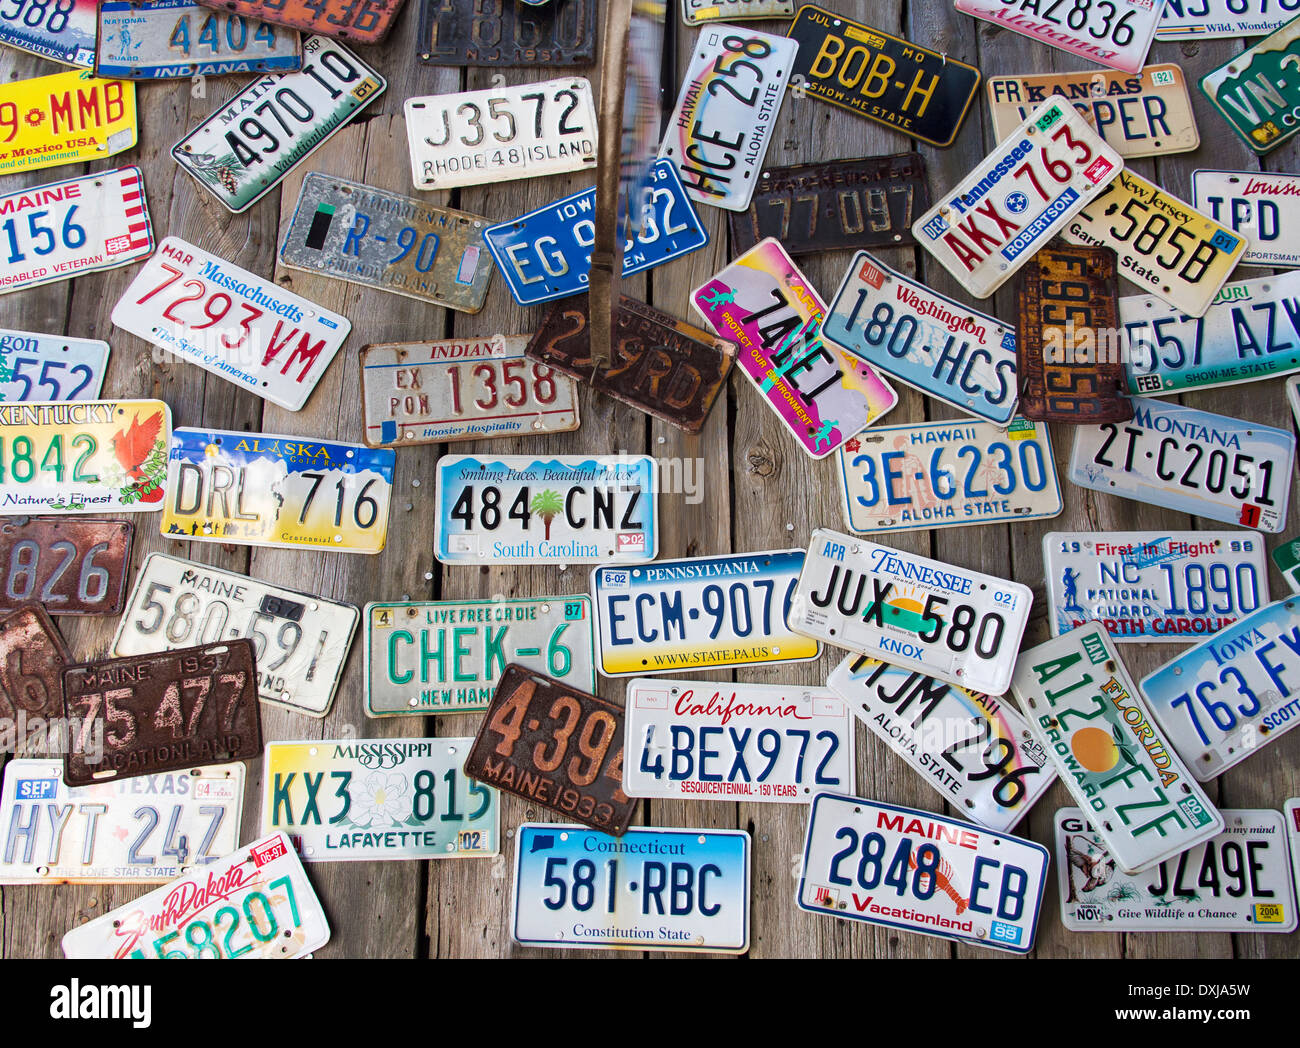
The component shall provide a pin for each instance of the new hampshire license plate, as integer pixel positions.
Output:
(66, 118)
(50, 367)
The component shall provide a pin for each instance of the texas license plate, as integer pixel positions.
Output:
(1262, 206)
(1213, 19)
(1256, 93)
(1113, 33)
(67, 118)
(1286, 558)
(73, 566)
(301, 641)
(243, 150)
(558, 509)
(961, 626)
(947, 475)
(361, 21)
(50, 367)
(255, 489)
(465, 33)
(1190, 461)
(32, 660)
(60, 32)
(698, 12)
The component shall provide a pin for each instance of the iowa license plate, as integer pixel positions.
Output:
(513, 33)
(1262, 206)
(50, 367)
(361, 21)
(72, 566)
(67, 118)
(1214, 19)
(32, 659)
(1113, 33)
(60, 32)
(699, 12)
(1257, 92)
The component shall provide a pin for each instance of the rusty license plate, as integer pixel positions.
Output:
(73, 567)
(32, 659)
(360, 21)
(507, 33)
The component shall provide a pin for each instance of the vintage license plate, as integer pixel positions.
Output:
(1256, 93)
(1238, 882)
(363, 22)
(1113, 33)
(561, 509)
(464, 33)
(1293, 396)
(60, 32)
(1286, 558)
(947, 475)
(852, 66)
(67, 118)
(1190, 461)
(1262, 206)
(961, 626)
(73, 566)
(32, 660)
(50, 367)
(927, 340)
(699, 12)
(1291, 813)
(145, 830)
(257, 489)
(1215, 19)
(301, 641)
(243, 150)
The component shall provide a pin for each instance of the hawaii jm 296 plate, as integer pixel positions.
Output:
(50, 367)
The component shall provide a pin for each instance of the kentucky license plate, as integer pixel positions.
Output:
(67, 118)
(72, 566)
(50, 367)
(361, 21)
(511, 33)
(699, 12)
(62, 32)
(1215, 19)
(1256, 94)
(1113, 33)
(32, 660)
(1262, 206)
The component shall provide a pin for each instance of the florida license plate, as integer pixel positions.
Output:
(1256, 93)
(699, 12)
(73, 566)
(1214, 19)
(364, 22)
(1113, 33)
(1261, 206)
(67, 118)
(50, 367)
(60, 32)
(465, 33)
(32, 660)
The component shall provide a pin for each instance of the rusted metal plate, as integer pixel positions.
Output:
(361, 21)
(162, 712)
(32, 659)
(73, 567)
(660, 365)
(507, 33)
(554, 746)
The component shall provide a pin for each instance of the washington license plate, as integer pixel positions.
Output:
(1214, 19)
(50, 367)
(361, 21)
(32, 660)
(1113, 33)
(466, 33)
(1261, 206)
(60, 32)
(67, 118)
(698, 12)
(1256, 93)
(73, 566)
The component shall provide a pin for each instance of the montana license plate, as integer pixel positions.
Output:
(1256, 92)
(512, 33)
(32, 660)
(62, 32)
(67, 118)
(699, 12)
(361, 21)
(73, 566)
(1215, 19)
(1113, 33)
(1262, 206)
(50, 367)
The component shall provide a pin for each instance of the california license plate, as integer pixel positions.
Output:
(67, 118)
(1286, 558)
(1262, 206)
(60, 32)
(1214, 19)
(73, 566)
(32, 660)
(698, 12)
(1256, 93)
(361, 21)
(1113, 33)
(50, 367)
(512, 33)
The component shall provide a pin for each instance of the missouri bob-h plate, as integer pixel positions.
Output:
(1214, 19)
(72, 565)
(921, 872)
(32, 659)
(360, 21)
(1261, 206)
(700, 12)
(66, 118)
(36, 366)
(560, 33)
(1113, 33)
(1258, 91)
(63, 32)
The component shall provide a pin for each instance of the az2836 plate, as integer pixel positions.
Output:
(62, 32)
(50, 367)
(1257, 93)
(558, 34)
(73, 566)
(1114, 33)
(32, 660)
(1261, 206)
(67, 118)
(361, 21)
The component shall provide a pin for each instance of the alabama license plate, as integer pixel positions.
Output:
(1113, 33)
(32, 660)
(67, 118)
(1286, 558)
(50, 367)
(467, 33)
(1262, 206)
(1214, 19)
(73, 566)
(62, 32)
(361, 21)
(1256, 93)
(698, 12)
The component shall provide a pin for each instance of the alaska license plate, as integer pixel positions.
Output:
(32, 660)
(60, 32)
(1261, 206)
(66, 118)
(1113, 33)
(50, 367)
(511, 33)
(361, 21)
(1215, 19)
(73, 566)
(698, 12)
(1256, 92)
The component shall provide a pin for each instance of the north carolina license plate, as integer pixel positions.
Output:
(1213, 19)
(50, 367)
(698, 12)
(961, 626)
(1190, 461)
(32, 660)
(243, 150)
(361, 21)
(73, 566)
(1262, 206)
(1256, 93)
(257, 489)
(652, 889)
(465, 33)
(1083, 708)
(60, 32)
(921, 872)
(1286, 558)
(67, 118)
(947, 475)
(558, 509)
(1113, 33)
(301, 640)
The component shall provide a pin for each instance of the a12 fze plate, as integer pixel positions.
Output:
(32, 660)
(1238, 882)
(364, 22)
(1261, 206)
(72, 566)
(384, 240)
(67, 118)
(700, 12)
(1213, 19)
(243, 150)
(34, 366)
(464, 33)
(1256, 93)
(1113, 33)
(921, 872)
(653, 889)
(1084, 709)
(301, 640)
(70, 41)
(1190, 461)
(241, 327)
(138, 831)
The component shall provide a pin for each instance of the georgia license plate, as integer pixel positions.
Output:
(145, 830)
(1190, 461)
(558, 509)
(1113, 33)
(1214, 19)
(50, 367)
(1262, 206)
(364, 22)
(698, 12)
(60, 32)
(948, 475)
(1256, 94)
(961, 626)
(32, 660)
(256, 489)
(73, 566)
(465, 33)
(243, 150)
(67, 118)
(301, 640)
(1286, 558)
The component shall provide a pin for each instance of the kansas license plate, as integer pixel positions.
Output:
(361, 21)
(67, 118)
(50, 367)
(1256, 93)
(1213, 19)
(1262, 206)
(1286, 558)
(32, 660)
(698, 12)
(73, 566)
(60, 32)
(465, 33)
(1113, 33)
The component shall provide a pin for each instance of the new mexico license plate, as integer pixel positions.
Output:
(1113, 33)
(60, 32)
(1262, 206)
(1214, 19)
(50, 367)
(362, 21)
(73, 566)
(466, 33)
(67, 118)
(1256, 93)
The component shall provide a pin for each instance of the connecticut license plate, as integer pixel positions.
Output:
(465, 33)
(32, 659)
(1261, 206)
(73, 566)
(1113, 33)
(361, 21)
(50, 367)
(60, 32)
(67, 118)
(1256, 93)
(698, 12)
(1214, 19)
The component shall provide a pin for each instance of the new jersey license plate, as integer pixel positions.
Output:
(1113, 33)
(1214, 19)
(73, 566)
(50, 367)
(60, 32)
(698, 12)
(465, 33)
(1257, 92)
(361, 21)
(32, 660)
(1262, 206)
(67, 118)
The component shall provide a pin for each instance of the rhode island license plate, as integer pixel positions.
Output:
(62, 32)
(1258, 91)
(1113, 33)
(1213, 19)
(67, 118)
(1261, 206)
(50, 367)
(73, 566)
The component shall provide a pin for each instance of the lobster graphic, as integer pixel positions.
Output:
(943, 881)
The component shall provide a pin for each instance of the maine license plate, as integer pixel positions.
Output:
(921, 872)
(73, 566)
(61, 32)
(1256, 93)
(1213, 19)
(1262, 206)
(961, 626)
(1286, 558)
(32, 659)
(947, 475)
(301, 640)
(1190, 461)
(50, 367)
(138, 831)
(1113, 33)
(361, 21)
(464, 32)
(558, 509)
(242, 151)
(698, 12)
(67, 118)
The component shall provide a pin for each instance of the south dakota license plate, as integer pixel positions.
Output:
(1113, 33)
(1256, 92)
(67, 118)
(62, 32)
(50, 367)
(1214, 19)
(1261, 206)
(73, 566)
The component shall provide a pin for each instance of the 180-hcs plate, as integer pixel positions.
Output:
(1214, 19)
(361, 21)
(60, 32)
(34, 366)
(1114, 33)
(1256, 93)
(467, 33)
(67, 118)
(72, 565)
(1261, 206)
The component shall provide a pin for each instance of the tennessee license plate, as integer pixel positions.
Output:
(60, 32)
(32, 659)
(1113, 33)
(67, 118)
(363, 22)
(698, 12)
(73, 566)
(50, 367)
(466, 33)
(1213, 19)
(1262, 206)
(1256, 92)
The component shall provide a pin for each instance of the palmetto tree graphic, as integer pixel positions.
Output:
(548, 505)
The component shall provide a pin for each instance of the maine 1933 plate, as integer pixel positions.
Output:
(947, 474)
(50, 367)
(1190, 461)
(961, 626)
(1213, 19)
(361, 21)
(257, 489)
(699, 12)
(73, 566)
(32, 658)
(1262, 206)
(62, 32)
(466, 32)
(242, 151)
(1256, 94)
(921, 872)
(138, 831)
(1099, 36)
(67, 118)
(301, 640)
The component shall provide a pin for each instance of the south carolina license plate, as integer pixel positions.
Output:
(62, 32)
(1262, 206)
(67, 118)
(361, 21)
(698, 12)
(50, 367)
(1213, 19)
(467, 33)
(1113, 33)
(1256, 93)
(73, 566)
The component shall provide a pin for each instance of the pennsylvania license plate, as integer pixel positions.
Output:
(73, 566)
(361, 21)
(1261, 206)
(698, 12)
(32, 660)
(67, 118)
(1215, 19)
(1113, 33)
(467, 33)
(50, 367)
(1256, 93)
(60, 32)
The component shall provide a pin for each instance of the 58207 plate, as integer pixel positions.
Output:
(32, 660)
(464, 33)
(1115, 33)
(50, 367)
(67, 118)
(61, 32)
(1256, 92)
(1263, 206)
(72, 566)
(361, 21)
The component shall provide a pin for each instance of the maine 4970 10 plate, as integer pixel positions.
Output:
(1214, 19)
(1258, 91)
(72, 565)
(50, 367)
(1262, 206)
(62, 32)
(468, 33)
(1114, 33)
(67, 118)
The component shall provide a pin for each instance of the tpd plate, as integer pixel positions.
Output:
(301, 640)
(698, 12)
(557, 509)
(1113, 33)
(67, 118)
(388, 241)
(257, 489)
(1213, 19)
(946, 475)
(1291, 812)
(242, 151)
(32, 659)
(1190, 461)
(361, 21)
(138, 831)
(1262, 206)
(1255, 92)
(62, 33)
(73, 566)
(50, 367)
(921, 872)
(240, 327)
(699, 613)
(1017, 198)
(961, 626)
(1238, 882)
(1287, 559)
(465, 33)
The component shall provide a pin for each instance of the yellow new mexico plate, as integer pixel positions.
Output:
(66, 118)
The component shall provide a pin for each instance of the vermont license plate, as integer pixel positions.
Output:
(60, 32)
(1261, 206)
(465, 33)
(1256, 93)
(73, 566)
(698, 12)
(67, 118)
(1113, 33)
(50, 367)
(1214, 19)
(32, 660)
(361, 21)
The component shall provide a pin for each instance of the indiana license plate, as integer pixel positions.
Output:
(1262, 206)
(1113, 33)
(1214, 19)
(50, 367)
(60, 32)
(72, 566)
(1256, 93)
(361, 21)
(67, 118)
(32, 660)
(699, 12)
(1286, 558)
(464, 33)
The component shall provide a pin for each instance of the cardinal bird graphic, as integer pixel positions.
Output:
(132, 447)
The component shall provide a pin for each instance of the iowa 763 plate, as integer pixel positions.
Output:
(67, 118)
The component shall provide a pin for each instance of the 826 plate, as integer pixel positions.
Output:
(71, 42)
(1262, 206)
(1117, 42)
(67, 118)
(50, 367)
(369, 25)
(464, 33)
(72, 566)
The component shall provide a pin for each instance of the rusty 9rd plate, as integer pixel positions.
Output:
(555, 746)
(361, 21)
(507, 33)
(162, 712)
(73, 567)
(32, 659)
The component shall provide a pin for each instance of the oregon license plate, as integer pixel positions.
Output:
(73, 566)
(1113, 33)
(1261, 206)
(465, 33)
(67, 118)
(1256, 92)
(60, 32)
(1213, 19)
(50, 367)
(361, 21)
(32, 660)
(1286, 558)
(698, 12)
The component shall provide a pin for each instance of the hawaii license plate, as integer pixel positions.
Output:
(698, 12)
(1256, 94)
(73, 566)
(467, 33)
(1190, 461)
(1113, 33)
(1215, 19)
(242, 151)
(32, 660)
(361, 21)
(50, 367)
(1262, 206)
(67, 118)
(62, 32)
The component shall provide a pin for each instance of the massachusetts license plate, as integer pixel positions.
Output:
(1261, 206)
(1286, 558)
(1113, 33)
(67, 118)
(256, 489)
(50, 367)
(60, 32)
(946, 475)
(301, 641)
(1256, 92)
(961, 626)
(73, 566)
(698, 12)
(1214, 19)
(32, 660)
(242, 151)
(1190, 461)
(921, 872)
(511, 33)
(361, 21)
(852, 66)
(558, 509)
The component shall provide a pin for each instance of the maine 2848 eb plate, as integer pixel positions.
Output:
(558, 34)
(72, 565)
(62, 32)
(361, 21)
(50, 367)
(1263, 206)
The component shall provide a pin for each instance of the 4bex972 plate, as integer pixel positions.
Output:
(558, 34)
(361, 21)
(73, 566)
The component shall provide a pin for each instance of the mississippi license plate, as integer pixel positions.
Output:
(1286, 558)
(60, 32)
(1214, 19)
(32, 659)
(242, 151)
(361, 21)
(72, 566)
(50, 367)
(465, 33)
(698, 12)
(256, 489)
(1190, 461)
(301, 641)
(961, 626)
(1256, 93)
(947, 475)
(1262, 206)
(1113, 33)
(67, 118)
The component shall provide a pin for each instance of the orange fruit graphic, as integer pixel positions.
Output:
(1094, 749)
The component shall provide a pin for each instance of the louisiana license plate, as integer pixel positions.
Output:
(1256, 93)
(50, 367)
(72, 566)
(1113, 33)
(67, 118)
(361, 21)
(1261, 206)
(1214, 19)
(62, 32)
(466, 33)
(699, 12)
(32, 660)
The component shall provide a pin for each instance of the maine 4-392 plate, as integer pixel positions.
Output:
(1113, 33)
(1213, 19)
(961, 626)
(1257, 93)
(1262, 206)
(467, 33)
(699, 12)
(62, 32)
(67, 118)
(361, 21)
(50, 367)
(73, 566)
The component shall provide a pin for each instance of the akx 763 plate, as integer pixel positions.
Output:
(73, 566)
(557, 34)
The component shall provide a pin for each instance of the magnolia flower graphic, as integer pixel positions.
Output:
(381, 800)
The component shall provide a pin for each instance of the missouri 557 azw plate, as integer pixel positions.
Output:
(67, 118)
(72, 565)
(1262, 206)
(1215, 19)
(1258, 91)
(1114, 33)
(62, 32)
(466, 33)
(50, 367)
